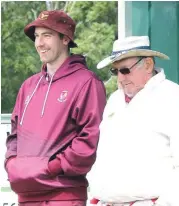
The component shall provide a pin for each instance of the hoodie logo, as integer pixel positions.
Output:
(63, 96)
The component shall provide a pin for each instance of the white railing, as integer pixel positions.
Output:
(5, 118)
(7, 197)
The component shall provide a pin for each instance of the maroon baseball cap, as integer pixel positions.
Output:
(56, 20)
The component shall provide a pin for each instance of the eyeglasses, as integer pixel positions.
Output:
(125, 70)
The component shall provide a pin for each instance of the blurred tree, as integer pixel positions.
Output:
(19, 58)
(95, 32)
(111, 85)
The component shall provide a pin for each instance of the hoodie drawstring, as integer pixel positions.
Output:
(30, 99)
(45, 100)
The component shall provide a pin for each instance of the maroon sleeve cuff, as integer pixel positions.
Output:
(7, 161)
(54, 167)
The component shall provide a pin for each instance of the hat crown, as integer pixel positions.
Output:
(57, 16)
(132, 46)
(56, 20)
(131, 42)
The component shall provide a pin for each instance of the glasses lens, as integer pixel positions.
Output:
(124, 71)
(114, 71)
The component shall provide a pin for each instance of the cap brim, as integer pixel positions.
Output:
(132, 53)
(30, 29)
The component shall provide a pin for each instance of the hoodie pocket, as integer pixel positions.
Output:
(30, 174)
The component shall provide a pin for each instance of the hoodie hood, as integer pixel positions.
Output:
(72, 64)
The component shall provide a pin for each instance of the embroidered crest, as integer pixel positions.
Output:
(43, 16)
(63, 96)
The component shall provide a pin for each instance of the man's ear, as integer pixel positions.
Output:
(66, 40)
(149, 65)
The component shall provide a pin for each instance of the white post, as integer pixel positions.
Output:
(121, 19)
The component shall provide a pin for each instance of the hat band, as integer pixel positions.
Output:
(124, 51)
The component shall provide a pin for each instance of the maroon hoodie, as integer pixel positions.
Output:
(55, 132)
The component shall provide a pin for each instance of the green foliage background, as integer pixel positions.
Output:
(95, 32)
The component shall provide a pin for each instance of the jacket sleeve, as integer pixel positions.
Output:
(169, 195)
(11, 142)
(79, 157)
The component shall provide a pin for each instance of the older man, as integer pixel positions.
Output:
(138, 154)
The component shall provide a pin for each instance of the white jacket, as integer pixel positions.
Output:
(138, 152)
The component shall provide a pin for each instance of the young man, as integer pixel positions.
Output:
(138, 157)
(55, 122)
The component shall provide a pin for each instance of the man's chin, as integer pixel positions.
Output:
(129, 93)
(44, 61)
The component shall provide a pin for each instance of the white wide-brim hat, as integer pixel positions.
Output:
(132, 46)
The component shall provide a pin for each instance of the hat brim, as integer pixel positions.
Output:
(30, 29)
(132, 53)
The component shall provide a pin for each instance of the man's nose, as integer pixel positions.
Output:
(121, 77)
(39, 41)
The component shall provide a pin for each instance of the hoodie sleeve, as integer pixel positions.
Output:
(11, 142)
(79, 157)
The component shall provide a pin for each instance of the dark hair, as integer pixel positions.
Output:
(69, 44)
(61, 35)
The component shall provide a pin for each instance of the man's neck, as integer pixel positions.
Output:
(53, 67)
